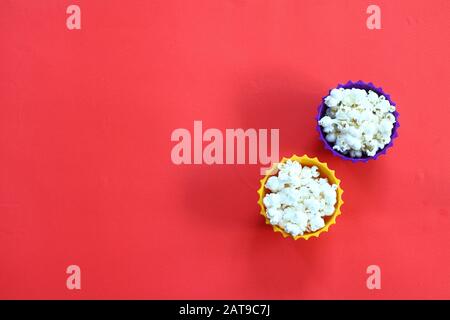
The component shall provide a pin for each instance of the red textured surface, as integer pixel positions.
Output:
(86, 176)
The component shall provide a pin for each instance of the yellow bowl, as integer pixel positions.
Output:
(325, 172)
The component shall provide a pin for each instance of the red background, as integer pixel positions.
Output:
(86, 176)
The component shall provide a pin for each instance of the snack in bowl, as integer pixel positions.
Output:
(300, 197)
(357, 121)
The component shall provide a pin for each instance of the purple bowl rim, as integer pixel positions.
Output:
(366, 86)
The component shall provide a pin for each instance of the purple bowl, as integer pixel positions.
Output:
(359, 85)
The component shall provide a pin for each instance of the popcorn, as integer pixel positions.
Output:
(272, 200)
(358, 123)
(316, 223)
(299, 198)
(274, 184)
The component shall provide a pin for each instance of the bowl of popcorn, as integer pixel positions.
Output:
(357, 121)
(300, 197)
